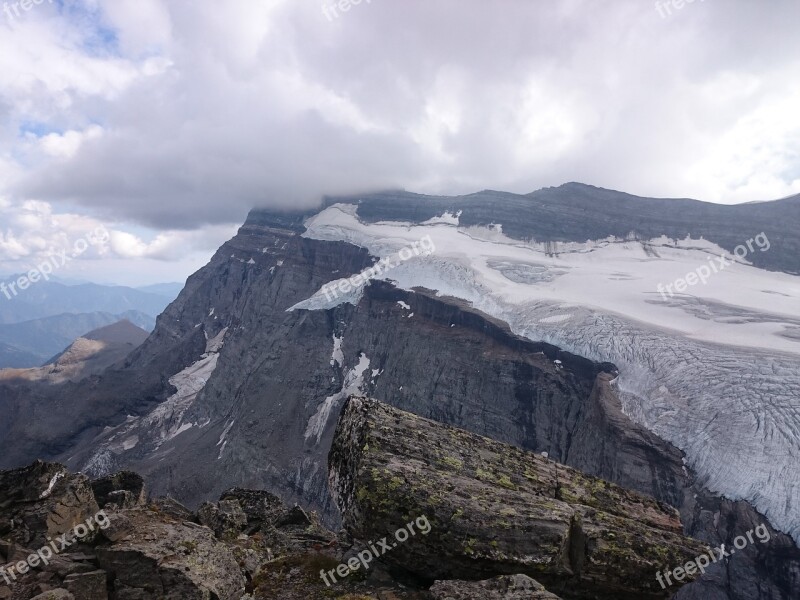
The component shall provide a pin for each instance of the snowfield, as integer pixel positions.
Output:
(715, 371)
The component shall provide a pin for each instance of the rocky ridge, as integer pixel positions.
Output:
(249, 545)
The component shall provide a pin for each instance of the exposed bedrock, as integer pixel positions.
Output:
(494, 509)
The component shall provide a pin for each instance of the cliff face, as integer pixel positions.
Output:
(234, 388)
(276, 379)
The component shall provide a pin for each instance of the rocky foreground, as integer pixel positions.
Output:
(430, 512)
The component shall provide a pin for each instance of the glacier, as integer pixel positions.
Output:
(715, 370)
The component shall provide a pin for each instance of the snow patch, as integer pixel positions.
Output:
(337, 356)
(447, 218)
(353, 383)
(51, 485)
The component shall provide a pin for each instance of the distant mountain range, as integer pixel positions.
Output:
(43, 320)
(50, 298)
(89, 354)
(33, 343)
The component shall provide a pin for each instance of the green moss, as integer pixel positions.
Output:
(484, 475)
(453, 462)
(189, 545)
(506, 482)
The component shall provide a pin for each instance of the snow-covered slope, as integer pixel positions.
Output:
(715, 370)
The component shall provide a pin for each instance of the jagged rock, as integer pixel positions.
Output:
(494, 509)
(508, 587)
(280, 528)
(153, 557)
(124, 490)
(63, 566)
(88, 586)
(225, 518)
(295, 516)
(173, 509)
(260, 507)
(43, 500)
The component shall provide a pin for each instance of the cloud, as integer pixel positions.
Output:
(32, 231)
(184, 114)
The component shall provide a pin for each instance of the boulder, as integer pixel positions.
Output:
(261, 508)
(225, 518)
(123, 490)
(88, 586)
(491, 509)
(150, 556)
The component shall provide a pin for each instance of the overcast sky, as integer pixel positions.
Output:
(167, 120)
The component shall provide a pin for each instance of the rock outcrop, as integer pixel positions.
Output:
(154, 558)
(125, 489)
(43, 501)
(494, 509)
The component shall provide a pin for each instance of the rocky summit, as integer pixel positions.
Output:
(494, 517)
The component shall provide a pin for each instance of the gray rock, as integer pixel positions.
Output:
(173, 509)
(225, 518)
(508, 587)
(157, 558)
(43, 500)
(491, 509)
(88, 586)
(57, 594)
(124, 490)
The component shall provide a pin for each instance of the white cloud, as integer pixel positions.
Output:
(67, 144)
(178, 115)
(32, 231)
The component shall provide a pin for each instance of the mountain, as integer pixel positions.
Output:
(575, 212)
(543, 321)
(51, 298)
(14, 358)
(90, 354)
(32, 343)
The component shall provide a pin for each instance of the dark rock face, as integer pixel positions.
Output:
(122, 490)
(43, 500)
(493, 509)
